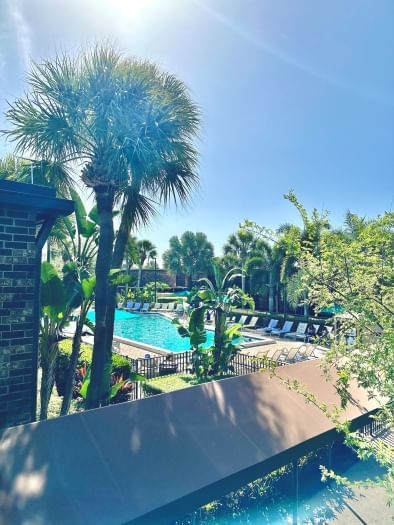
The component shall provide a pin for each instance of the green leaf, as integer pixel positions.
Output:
(52, 292)
(88, 286)
(198, 337)
(116, 387)
(80, 213)
(183, 332)
(93, 215)
(85, 385)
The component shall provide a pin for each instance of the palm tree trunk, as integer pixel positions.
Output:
(139, 277)
(70, 381)
(127, 221)
(47, 382)
(99, 386)
(271, 293)
(117, 259)
(128, 268)
(49, 249)
(220, 327)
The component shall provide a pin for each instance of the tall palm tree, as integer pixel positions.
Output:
(132, 129)
(306, 238)
(145, 252)
(239, 248)
(191, 254)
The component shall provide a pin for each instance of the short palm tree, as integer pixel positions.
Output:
(219, 298)
(131, 128)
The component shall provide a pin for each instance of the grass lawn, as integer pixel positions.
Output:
(165, 384)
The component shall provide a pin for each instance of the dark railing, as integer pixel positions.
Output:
(137, 391)
(181, 362)
(174, 363)
(243, 364)
(373, 428)
(178, 363)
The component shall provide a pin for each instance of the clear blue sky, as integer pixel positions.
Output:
(294, 94)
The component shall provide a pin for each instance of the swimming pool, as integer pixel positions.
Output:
(318, 502)
(155, 330)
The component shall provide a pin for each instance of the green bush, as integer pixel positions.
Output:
(120, 364)
(171, 299)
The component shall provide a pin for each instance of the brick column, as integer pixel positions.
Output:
(27, 213)
(17, 280)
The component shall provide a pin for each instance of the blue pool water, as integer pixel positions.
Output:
(153, 329)
(318, 502)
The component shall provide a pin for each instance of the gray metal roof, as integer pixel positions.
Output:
(148, 461)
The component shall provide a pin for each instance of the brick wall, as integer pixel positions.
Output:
(17, 282)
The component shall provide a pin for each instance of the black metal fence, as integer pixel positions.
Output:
(178, 363)
(174, 363)
(243, 364)
(373, 428)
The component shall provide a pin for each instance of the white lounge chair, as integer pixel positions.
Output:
(157, 306)
(307, 351)
(289, 356)
(145, 307)
(242, 320)
(179, 308)
(272, 353)
(271, 325)
(252, 323)
(171, 307)
(299, 333)
(284, 330)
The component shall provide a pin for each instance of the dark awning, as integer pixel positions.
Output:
(148, 461)
(41, 199)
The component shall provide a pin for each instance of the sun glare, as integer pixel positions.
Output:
(133, 7)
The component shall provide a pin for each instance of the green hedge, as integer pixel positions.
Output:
(165, 384)
(166, 300)
(120, 364)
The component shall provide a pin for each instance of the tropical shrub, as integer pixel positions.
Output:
(216, 298)
(354, 267)
(120, 366)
